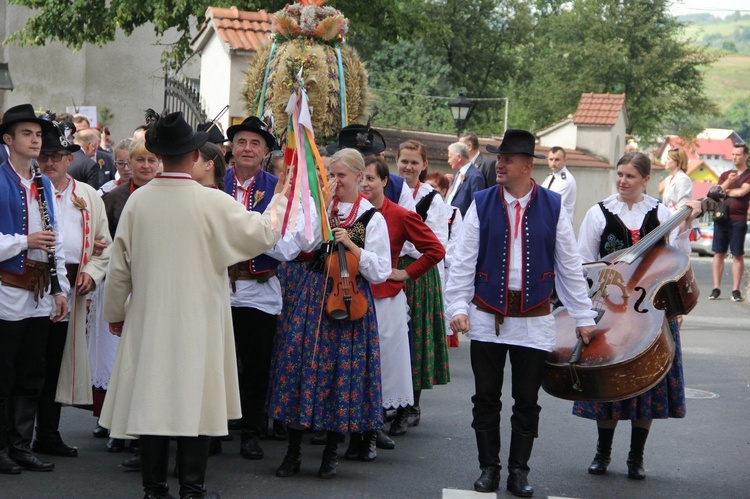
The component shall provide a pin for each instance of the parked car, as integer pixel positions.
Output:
(703, 245)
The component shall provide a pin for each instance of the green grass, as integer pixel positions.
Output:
(728, 79)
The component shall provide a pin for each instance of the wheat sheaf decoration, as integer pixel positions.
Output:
(310, 37)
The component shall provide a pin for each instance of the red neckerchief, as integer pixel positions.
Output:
(246, 196)
(416, 189)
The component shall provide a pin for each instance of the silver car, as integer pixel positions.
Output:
(703, 245)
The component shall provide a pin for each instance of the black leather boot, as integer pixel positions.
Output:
(293, 457)
(280, 431)
(413, 411)
(488, 447)
(400, 424)
(367, 450)
(48, 439)
(115, 445)
(383, 441)
(192, 456)
(21, 430)
(7, 465)
(100, 431)
(154, 464)
(330, 456)
(355, 444)
(249, 446)
(518, 469)
(638, 438)
(603, 451)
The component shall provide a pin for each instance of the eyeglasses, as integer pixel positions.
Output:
(56, 157)
(121, 164)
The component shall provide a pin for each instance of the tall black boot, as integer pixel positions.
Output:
(355, 444)
(192, 456)
(293, 457)
(382, 441)
(330, 456)
(603, 451)
(22, 414)
(518, 467)
(414, 412)
(400, 423)
(488, 447)
(368, 448)
(154, 464)
(638, 438)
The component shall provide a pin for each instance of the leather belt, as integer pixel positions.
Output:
(514, 309)
(241, 272)
(35, 278)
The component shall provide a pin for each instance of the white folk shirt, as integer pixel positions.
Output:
(531, 332)
(564, 184)
(592, 227)
(17, 304)
(438, 215)
(266, 296)
(71, 225)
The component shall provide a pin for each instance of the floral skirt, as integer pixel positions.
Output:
(429, 355)
(665, 400)
(326, 374)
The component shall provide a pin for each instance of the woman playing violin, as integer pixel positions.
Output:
(616, 223)
(327, 374)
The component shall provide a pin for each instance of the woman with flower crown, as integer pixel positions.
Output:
(327, 375)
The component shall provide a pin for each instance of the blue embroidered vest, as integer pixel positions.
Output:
(13, 212)
(393, 189)
(265, 183)
(539, 226)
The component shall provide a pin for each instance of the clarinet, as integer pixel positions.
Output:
(55, 288)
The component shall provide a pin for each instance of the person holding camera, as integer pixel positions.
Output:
(729, 231)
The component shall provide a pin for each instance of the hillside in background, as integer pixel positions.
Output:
(728, 79)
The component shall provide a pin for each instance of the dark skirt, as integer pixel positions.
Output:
(429, 354)
(326, 374)
(665, 400)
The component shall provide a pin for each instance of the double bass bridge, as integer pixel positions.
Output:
(611, 277)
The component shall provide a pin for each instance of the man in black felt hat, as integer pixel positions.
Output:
(25, 306)
(515, 244)
(176, 371)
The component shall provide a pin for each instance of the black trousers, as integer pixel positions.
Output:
(48, 411)
(527, 368)
(253, 336)
(22, 368)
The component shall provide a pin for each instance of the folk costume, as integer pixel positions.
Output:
(513, 251)
(80, 215)
(611, 226)
(25, 303)
(173, 347)
(328, 373)
(424, 296)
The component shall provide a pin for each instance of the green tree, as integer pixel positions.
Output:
(738, 117)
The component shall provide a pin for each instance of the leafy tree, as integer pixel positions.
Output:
(738, 117)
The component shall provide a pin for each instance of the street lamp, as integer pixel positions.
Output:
(461, 108)
(5, 82)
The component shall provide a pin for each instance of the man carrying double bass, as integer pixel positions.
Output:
(515, 243)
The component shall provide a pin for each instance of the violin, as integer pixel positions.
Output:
(635, 291)
(344, 300)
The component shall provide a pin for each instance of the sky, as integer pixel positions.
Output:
(721, 8)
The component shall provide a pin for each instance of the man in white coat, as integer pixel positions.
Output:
(166, 295)
(560, 180)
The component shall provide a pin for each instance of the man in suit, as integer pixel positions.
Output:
(92, 165)
(486, 164)
(466, 179)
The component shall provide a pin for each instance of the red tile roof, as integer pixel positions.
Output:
(599, 109)
(243, 31)
(717, 147)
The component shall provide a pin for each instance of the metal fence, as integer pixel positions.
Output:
(183, 95)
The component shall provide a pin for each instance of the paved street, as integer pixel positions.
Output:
(704, 455)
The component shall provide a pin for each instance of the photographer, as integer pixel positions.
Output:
(729, 234)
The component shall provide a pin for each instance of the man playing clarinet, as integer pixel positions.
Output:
(28, 237)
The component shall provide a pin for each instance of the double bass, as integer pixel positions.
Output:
(344, 300)
(635, 292)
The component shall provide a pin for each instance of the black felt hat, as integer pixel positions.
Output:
(215, 134)
(173, 136)
(255, 125)
(363, 138)
(21, 114)
(59, 138)
(516, 142)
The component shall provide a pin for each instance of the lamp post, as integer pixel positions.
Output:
(461, 108)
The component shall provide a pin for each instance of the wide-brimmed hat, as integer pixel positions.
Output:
(20, 114)
(363, 138)
(173, 136)
(516, 142)
(59, 138)
(215, 134)
(255, 125)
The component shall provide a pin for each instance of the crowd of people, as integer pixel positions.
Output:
(275, 336)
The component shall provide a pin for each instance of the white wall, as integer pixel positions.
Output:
(125, 76)
(214, 68)
(564, 136)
